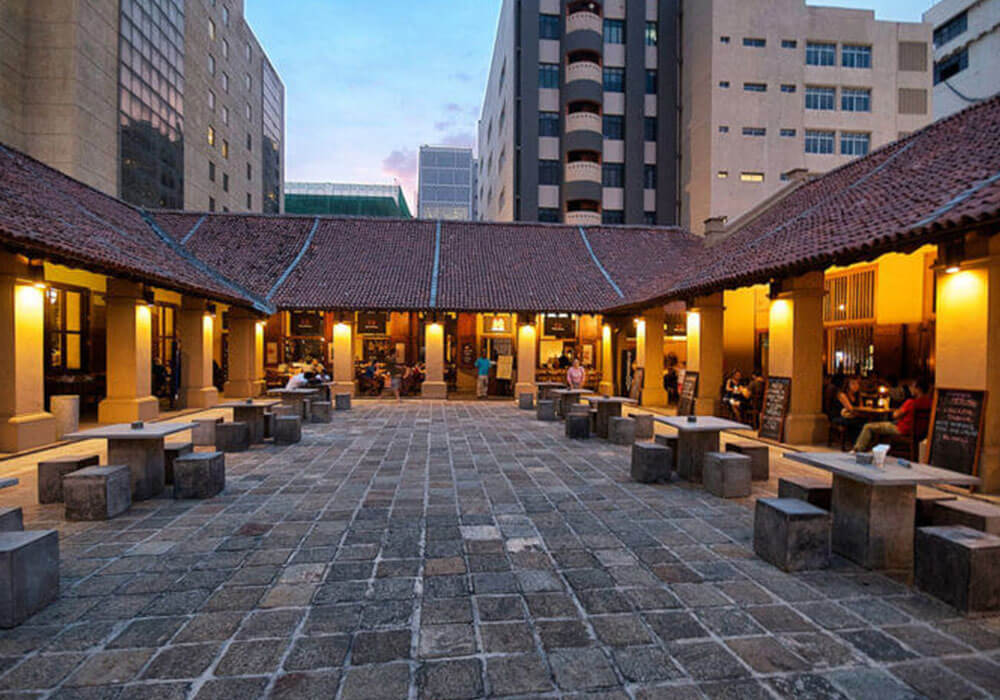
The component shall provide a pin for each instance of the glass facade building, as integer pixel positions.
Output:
(274, 111)
(446, 183)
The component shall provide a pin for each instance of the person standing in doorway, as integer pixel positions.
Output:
(483, 365)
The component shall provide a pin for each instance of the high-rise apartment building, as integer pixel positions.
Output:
(164, 103)
(774, 86)
(446, 183)
(966, 53)
(579, 120)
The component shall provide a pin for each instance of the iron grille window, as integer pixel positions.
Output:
(856, 100)
(855, 56)
(822, 98)
(614, 80)
(548, 124)
(819, 142)
(855, 144)
(614, 127)
(548, 26)
(614, 31)
(548, 76)
(613, 175)
(549, 172)
(821, 54)
(850, 296)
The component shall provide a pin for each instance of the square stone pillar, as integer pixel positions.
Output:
(967, 345)
(527, 356)
(246, 355)
(343, 358)
(195, 328)
(653, 393)
(434, 386)
(607, 387)
(129, 356)
(706, 350)
(796, 351)
(24, 423)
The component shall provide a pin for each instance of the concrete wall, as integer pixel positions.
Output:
(982, 40)
(496, 149)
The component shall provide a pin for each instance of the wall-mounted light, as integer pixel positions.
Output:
(36, 274)
(776, 288)
(953, 253)
(210, 310)
(149, 297)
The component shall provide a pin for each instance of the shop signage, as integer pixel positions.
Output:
(560, 326)
(772, 414)
(306, 323)
(689, 389)
(497, 323)
(372, 322)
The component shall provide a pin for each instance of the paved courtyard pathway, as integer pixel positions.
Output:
(459, 550)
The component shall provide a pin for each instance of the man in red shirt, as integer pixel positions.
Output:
(904, 417)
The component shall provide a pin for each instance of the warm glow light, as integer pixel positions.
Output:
(40, 285)
(781, 310)
(341, 329)
(435, 326)
(953, 269)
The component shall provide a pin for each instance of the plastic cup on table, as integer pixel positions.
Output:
(879, 453)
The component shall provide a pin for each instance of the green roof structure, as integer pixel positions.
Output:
(338, 199)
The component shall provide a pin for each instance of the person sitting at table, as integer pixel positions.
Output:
(898, 392)
(300, 380)
(736, 393)
(903, 417)
(576, 375)
(846, 399)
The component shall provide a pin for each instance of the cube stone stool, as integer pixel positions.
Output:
(578, 409)
(322, 412)
(97, 493)
(283, 410)
(11, 519)
(927, 499)
(621, 430)
(171, 451)
(805, 488)
(545, 410)
(960, 566)
(287, 430)
(791, 534)
(203, 432)
(342, 402)
(578, 426)
(29, 573)
(232, 437)
(760, 458)
(975, 514)
(269, 417)
(643, 425)
(651, 462)
(671, 442)
(726, 474)
(200, 475)
(526, 402)
(52, 471)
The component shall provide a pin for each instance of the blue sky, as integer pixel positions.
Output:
(367, 83)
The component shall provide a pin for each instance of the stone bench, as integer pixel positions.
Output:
(671, 442)
(643, 425)
(29, 573)
(526, 402)
(322, 412)
(760, 458)
(97, 493)
(269, 417)
(621, 430)
(805, 488)
(203, 432)
(232, 437)
(791, 534)
(200, 475)
(726, 474)
(171, 451)
(651, 462)
(11, 519)
(342, 402)
(578, 426)
(545, 410)
(52, 471)
(287, 430)
(958, 565)
(927, 499)
(975, 514)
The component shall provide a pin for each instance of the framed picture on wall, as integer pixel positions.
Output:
(272, 353)
(587, 354)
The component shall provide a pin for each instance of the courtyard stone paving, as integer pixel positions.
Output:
(458, 550)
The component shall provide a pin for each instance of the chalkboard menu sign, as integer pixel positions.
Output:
(957, 429)
(689, 389)
(307, 323)
(559, 326)
(772, 415)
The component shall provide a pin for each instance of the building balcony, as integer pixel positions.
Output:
(584, 21)
(583, 218)
(583, 171)
(584, 121)
(584, 70)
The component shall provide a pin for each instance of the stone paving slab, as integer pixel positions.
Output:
(464, 550)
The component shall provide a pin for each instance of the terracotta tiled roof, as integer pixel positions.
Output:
(45, 213)
(913, 191)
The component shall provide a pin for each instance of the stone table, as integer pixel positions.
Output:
(141, 448)
(545, 389)
(252, 413)
(874, 509)
(696, 438)
(607, 407)
(295, 397)
(566, 398)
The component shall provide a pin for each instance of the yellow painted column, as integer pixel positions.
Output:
(705, 350)
(343, 358)
(195, 327)
(967, 346)
(527, 353)
(796, 351)
(24, 423)
(129, 356)
(653, 393)
(607, 387)
(246, 355)
(434, 386)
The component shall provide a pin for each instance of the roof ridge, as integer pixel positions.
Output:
(295, 263)
(597, 262)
